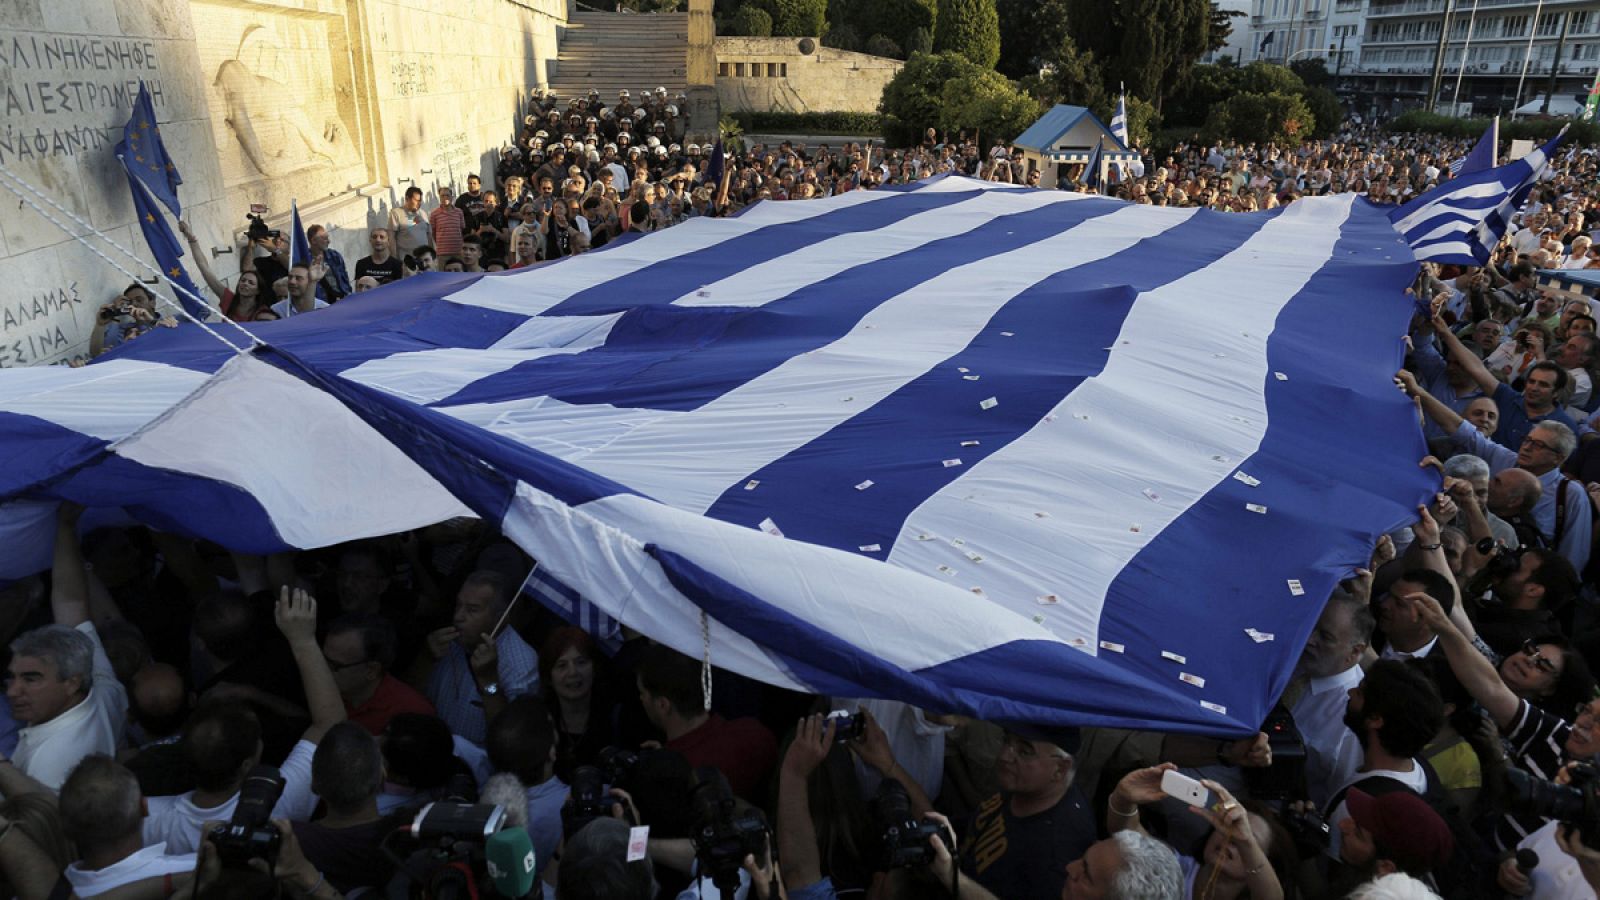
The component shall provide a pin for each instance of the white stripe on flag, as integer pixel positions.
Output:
(719, 444)
(1169, 340)
(783, 275)
(267, 433)
(531, 293)
(109, 400)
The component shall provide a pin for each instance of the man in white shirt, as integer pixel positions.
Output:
(62, 685)
(102, 811)
(1396, 711)
(1328, 669)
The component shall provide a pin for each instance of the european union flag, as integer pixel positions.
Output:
(145, 157)
(1091, 172)
(299, 247)
(164, 245)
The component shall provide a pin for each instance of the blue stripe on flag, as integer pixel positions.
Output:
(1059, 329)
(680, 358)
(681, 275)
(1359, 441)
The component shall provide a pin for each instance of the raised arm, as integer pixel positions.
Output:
(296, 615)
(1466, 359)
(69, 582)
(201, 263)
(1432, 407)
(797, 834)
(874, 749)
(1471, 668)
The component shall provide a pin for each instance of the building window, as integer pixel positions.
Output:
(724, 69)
(1513, 26)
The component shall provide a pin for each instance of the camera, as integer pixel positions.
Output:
(847, 727)
(1576, 804)
(588, 800)
(250, 834)
(618, 765)
(1284, 780)
(723, 835)
(905, 840)
(461, 821)
(410, 262)
(258, 230)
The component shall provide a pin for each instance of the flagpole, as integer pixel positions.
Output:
(1455, 98)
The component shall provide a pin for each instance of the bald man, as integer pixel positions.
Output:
(159, 703)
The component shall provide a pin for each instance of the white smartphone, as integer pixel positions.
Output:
(1179, 786)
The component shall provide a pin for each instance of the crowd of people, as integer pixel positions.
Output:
(1438, 737)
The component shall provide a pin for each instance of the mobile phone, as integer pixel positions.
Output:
(1181, 787)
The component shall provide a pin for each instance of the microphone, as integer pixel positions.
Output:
(508, 854)
(1527, 860)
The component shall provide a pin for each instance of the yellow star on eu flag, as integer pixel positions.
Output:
(138, 159)
(174, 271)
(150, 218)
(145, 126)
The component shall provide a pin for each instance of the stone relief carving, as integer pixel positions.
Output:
(275, 132)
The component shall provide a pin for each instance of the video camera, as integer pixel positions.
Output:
(1575, 804)
(723, 836)
(445, 859)
(905, 840)
(1283, 784)
(258, 230)
(589, 800)
(250, 834)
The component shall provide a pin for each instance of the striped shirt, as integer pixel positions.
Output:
(454, 692)
(1538, 741)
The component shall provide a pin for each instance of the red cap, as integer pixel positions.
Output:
(1405, 828)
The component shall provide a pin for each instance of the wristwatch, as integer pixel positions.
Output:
(492, 688)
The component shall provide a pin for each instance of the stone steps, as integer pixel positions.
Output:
(609, 52)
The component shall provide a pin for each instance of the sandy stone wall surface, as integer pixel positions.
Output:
(798, 75)
(338, 104)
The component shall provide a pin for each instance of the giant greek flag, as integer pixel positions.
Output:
(1024, 455)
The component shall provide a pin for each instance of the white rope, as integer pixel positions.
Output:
(7, 183)
(705, 661)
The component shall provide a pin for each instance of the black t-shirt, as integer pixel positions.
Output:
(386, 271)
(1026, 858)
(348, 857)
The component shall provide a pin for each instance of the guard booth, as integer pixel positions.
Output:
(1066, 136)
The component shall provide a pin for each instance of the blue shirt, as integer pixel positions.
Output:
(1514, 421)
(337, 274)
(454, 692)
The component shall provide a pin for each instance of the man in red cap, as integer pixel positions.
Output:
(1395, 831)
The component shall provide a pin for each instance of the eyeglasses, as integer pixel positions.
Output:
(1536, 444)
(1584, 711)
(1540, 661)
(337, 667)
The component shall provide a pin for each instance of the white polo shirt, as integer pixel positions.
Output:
(151, 862)
(48, 752)
(1332, 751)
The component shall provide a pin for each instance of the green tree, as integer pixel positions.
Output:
(1207, 86)
(842, 36)
(988, 103)
(1266, 78)
(1325, 109)
(896, 20)
(1147, 45)
(798, 18)
(1261, 118)
(1313, 71)
(920, 41)
(1075, 77)
(1220, 27)
(913, 100)
(968, 27)
(751, 21)
(878, 45)
(1030, 32)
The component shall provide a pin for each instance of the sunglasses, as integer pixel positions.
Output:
(1540, 661)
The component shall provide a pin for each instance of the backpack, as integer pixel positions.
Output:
(1465, 875)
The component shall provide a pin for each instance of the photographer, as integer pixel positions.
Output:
(1540, 741)
(1236, 861)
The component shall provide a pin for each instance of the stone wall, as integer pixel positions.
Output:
(339, 104)
(798, 75)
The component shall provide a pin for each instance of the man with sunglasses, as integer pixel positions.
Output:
(1021, 840)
